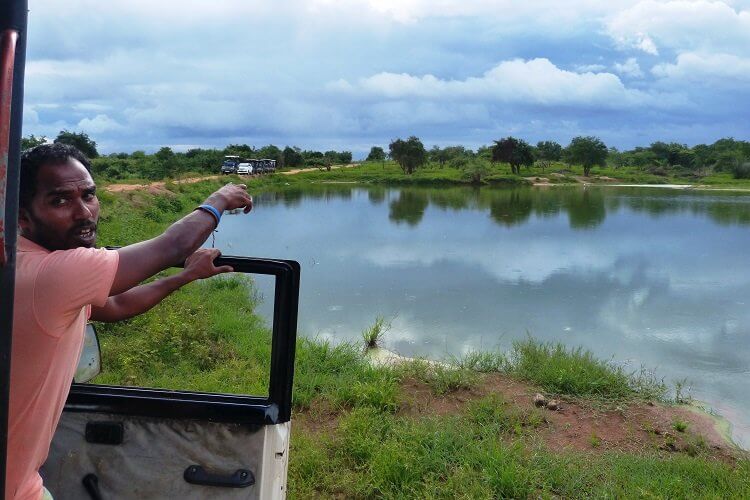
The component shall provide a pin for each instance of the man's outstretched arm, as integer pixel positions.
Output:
(142, 260)
(141, 298)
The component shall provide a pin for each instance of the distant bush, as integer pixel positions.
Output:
(658, 170)
(741, 170)
(476, 170)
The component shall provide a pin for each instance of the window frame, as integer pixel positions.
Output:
(273, 409)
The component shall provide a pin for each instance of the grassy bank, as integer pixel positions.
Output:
(499, 174)
(463, 429)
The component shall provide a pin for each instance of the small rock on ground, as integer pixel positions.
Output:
(539, 400)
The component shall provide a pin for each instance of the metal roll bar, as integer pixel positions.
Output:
(13, 18)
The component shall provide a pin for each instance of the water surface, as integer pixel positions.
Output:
(648, 277)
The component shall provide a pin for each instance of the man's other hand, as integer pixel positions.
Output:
(200, 265)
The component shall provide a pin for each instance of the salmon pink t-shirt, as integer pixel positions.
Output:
(53, 297)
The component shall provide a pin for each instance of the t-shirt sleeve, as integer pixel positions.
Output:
(68, 280)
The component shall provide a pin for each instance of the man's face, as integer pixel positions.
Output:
(64, 211)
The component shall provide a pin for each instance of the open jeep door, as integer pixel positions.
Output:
(124, 442)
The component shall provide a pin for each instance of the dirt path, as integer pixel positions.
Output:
(313, 169)
(159, 185)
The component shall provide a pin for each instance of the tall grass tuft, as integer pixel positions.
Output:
(373, 335)
(576, 372)
(483, 361)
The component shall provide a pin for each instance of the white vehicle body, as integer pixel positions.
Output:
(244, 169)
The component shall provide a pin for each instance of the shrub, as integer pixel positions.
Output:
(741, 170)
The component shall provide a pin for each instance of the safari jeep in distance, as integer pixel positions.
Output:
(229, 166)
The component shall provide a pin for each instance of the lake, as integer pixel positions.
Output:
(650, 277)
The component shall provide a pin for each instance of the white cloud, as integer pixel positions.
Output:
(682, 25)
(536, 81)
(98, 124)
(30, 115)
(528, 265)
(629, 68)
(710, 69)
(590, 68)
(511, 12)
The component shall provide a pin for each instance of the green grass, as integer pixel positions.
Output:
(486, 452)
(389, 173)
(373, 335)
(441, 378)
(188, 342)
(577, 373)
(572, 372)
(499, 174)
(679, 425)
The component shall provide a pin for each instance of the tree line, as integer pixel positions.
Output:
(660, 158)
(168, 163)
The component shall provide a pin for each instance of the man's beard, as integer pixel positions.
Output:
(48, 237)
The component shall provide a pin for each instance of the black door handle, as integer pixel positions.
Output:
(91, 483)
(241, 478)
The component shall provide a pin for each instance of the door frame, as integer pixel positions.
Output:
(275, 408)
(13, 35)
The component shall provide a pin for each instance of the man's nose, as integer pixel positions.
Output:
(83, 212)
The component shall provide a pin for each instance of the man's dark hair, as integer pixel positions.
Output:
(45, 154)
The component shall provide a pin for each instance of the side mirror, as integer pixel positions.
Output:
(90, 363)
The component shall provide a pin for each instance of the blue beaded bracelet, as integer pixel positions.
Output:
(212, 211)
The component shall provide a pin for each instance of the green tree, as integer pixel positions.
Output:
(80, 140)
(243, 150)
(702, 156)
(271, 152)
(588, 152)
(409, 154)
(166, 162)
(616, 158)
(673, 153)
(455, 155)
(727, 160)
(547, 152)
(312, 158)
(345, 157)
(376, 154)
(484, 152)
(438, 155)
(292, 157)
(515, 152)
(32, 141)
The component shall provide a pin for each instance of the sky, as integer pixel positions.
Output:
(351, 74)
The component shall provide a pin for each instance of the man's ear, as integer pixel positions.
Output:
(24, 220)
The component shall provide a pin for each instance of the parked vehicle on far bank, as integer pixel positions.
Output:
(230, 164)
(244, 169)
(266, 165)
